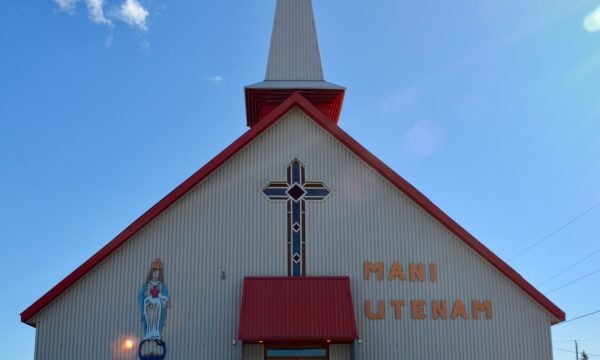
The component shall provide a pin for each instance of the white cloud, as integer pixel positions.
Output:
(591, 22)
(133, 13)
(96, 12)
(67, 5)
(215, 79)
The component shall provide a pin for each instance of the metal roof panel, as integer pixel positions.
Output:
(295, 309)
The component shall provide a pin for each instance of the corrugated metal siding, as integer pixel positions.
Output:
(340, 352)
(253, 352)
(294, 51)
(226, 224)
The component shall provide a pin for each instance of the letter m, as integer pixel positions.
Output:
(373, 268)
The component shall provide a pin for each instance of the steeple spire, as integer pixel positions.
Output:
(294, 66)
(294, 52)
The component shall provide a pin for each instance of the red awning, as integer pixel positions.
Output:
(297, 309)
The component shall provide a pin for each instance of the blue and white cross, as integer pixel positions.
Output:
(296, 191)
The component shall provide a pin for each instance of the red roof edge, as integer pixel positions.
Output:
(161, 206)
(421, 200)
(299, 101)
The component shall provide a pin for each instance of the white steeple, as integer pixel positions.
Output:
(294, 52)
(294, 56)
(294, 66)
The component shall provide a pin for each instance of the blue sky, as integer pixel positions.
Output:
(491, 109)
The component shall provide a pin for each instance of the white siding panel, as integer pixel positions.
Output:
(340, 352)
(253, 352)
(226, 224)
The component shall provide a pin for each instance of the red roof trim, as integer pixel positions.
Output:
(161, 206)
(294, 100)
(421, 200)
(259, 102)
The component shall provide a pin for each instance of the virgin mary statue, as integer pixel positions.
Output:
(154, 300)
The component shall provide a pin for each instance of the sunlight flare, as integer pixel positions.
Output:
(591, 22)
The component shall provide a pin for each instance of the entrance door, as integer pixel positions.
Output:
(296, 352)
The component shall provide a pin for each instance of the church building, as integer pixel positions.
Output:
(295, 242)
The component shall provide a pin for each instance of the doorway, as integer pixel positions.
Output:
(295, 352)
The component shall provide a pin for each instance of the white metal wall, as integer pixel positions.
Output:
(253, 352)
(340, 352)
(226, 224)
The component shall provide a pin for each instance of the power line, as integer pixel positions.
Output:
(555, 231)
(570, 267)
(579, 341)
(573, 352)
(580, 317)
(574, 281)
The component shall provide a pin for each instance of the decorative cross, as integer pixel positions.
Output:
(296, 191)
